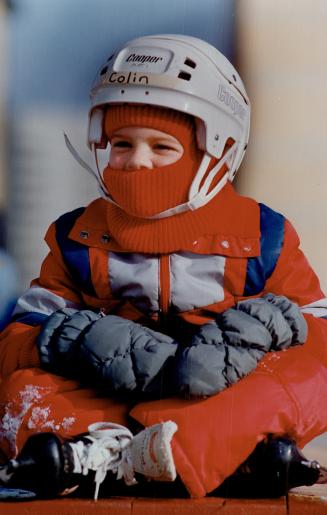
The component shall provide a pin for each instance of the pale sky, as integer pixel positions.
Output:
(57, 46)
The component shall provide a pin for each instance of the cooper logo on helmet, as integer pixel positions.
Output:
(230, 101)
(143, 58)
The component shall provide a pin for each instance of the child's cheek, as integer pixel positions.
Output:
(116, 160)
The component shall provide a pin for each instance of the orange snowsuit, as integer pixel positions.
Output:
(256, 252)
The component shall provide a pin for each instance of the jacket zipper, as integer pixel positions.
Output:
(164, 285)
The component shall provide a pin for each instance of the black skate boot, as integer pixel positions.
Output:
(50, 468)
(275, 466)
(46, 467)
(38, 468)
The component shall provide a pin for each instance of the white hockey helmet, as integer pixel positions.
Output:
(189, 75)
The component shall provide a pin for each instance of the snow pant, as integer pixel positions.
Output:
(285, 395)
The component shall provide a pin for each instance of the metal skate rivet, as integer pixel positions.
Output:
(225, 244)
(105, 238)
(84, 235)
(217, 137)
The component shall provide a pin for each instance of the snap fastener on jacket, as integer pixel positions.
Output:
(195, 242)
(247, 249)
(84, 235)
(105, 238)
(225, 244)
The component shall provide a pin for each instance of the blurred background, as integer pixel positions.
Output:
(49, 54)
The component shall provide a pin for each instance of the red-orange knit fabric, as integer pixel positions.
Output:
(145, 192)
(178, 124)
(167, 234)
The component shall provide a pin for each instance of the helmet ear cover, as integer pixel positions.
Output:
(96, 134)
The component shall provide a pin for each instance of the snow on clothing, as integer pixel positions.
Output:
(286, 394)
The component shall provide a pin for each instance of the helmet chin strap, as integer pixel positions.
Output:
(101, 185)
(198, 196)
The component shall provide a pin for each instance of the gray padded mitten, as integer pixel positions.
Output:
(221, 353)
(120, 354)
(126, 355)
(59, 339)
(292, 314)
(226, 350)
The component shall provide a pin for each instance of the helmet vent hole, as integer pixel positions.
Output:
(190, 63)
(234, 77)
(109, 58)
(104, 70)
(184, 76)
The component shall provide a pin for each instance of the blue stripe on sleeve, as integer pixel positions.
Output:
(260, 268)
(75, 254)
(31, 318)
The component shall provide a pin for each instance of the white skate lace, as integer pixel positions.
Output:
(104, 453)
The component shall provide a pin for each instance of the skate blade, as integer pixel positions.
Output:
(322, 479)
(15, 494)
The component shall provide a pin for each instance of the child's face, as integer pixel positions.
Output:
(133, 148)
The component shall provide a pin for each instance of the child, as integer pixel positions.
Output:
(159, 295)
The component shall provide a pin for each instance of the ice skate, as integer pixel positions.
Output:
(48, 468)
(38, 468)
(150, 452)
(275, 466)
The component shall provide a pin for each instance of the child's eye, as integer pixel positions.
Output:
(121, 144)
(163, 146)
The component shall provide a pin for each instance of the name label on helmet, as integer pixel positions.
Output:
(126, 78)
(143, 58)
(230, 101)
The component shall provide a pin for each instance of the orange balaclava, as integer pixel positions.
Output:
(143, 193)
(146, 192)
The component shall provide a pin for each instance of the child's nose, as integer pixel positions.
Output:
(140, 157)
